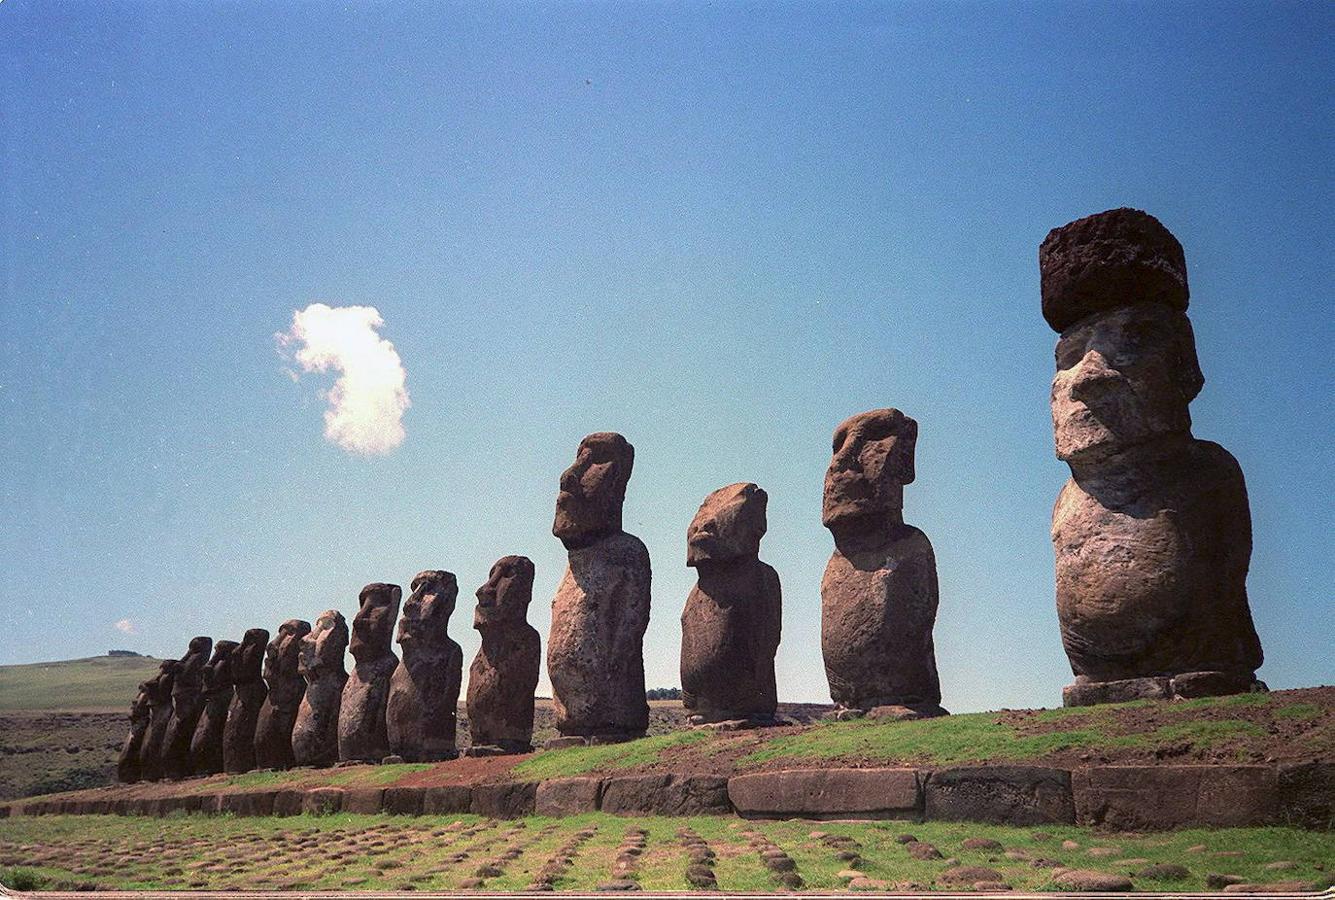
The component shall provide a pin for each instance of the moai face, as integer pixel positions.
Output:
(199, 646)
(873, 460)
(247, 660)
(160, 689)
(506, 595)
(280, 657)
(427, 611)
(322, 650)
(729, 525)
(373, 626)
(139, 708)
(588, 506)
(1124, 377)
(217, 674)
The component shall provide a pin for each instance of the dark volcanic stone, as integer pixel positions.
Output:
(127, 764)
(187, 706)
(320, 664)
(278, 713)
(248, 695)
(504, 674)
(423, 703)
(510, 800)
(206, 745)
(159, 717)
(1005, 795)
(362, 734)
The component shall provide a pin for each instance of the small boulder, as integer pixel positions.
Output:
(981, 844)
(1087, 880)
(1164, 872)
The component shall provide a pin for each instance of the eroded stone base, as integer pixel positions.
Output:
(890, 713)
(590, 740)
(1183, 686)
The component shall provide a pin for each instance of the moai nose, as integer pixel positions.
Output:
(1091, 376)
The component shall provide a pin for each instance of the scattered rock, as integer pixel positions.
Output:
(1103, 852)
(968, 875)
(1164, 872)
(1087, 880)
(1280, 865)
(921, 850)
(981, 844)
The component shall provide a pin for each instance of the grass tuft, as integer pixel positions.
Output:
(578, 760)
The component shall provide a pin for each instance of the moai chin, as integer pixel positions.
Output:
(159, 718)
(731, 625)
(1152, 532)
(248, 693)
(504, 674)
(422, 713)
(879, 593)
(187, 705)
(206, 745)
(278, 713)
(315, 733)
(127, 764)
(362, 735)
(595, 653)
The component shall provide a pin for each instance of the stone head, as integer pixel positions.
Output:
(588, 506)
(217, 674)
(247, 660)
(728, 525)
(323, 648)
(280, 656)
(139, 707)
(427, 611)
(373, 626)
(506, 595)
(160, 686)
(873, 460)
(199, 646)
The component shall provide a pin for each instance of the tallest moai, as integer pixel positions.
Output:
(1152, 533)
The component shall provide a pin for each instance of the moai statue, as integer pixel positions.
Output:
(187, 704)
(278, 713)
(159, 717)
(362, 735)
(127, 764)
(315, 734)
(1152, 533)
(595, 653)
(733, 616)
(504, 674)
(206, 746)
(423, 708)
(879, 593)
(248, 696)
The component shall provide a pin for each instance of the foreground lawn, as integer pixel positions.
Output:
(583, 852)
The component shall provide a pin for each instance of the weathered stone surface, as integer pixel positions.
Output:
(595, 653)
(322, 801)
(286, 687)
(568, 796)
(879, 593)
(421, 712)
(127, 764)
(504, 674)
(731, 624)
(1307, 795)
(187, 706)
(666, 795)
(1006, 795)
(320, 664)
(247, 803)
(362, 733)
(1152, 533)
(1128, 798)
(447, 799)
(245, 665)
(363, 800)
(1091, 693)
(1188, 685)
(159, 717)
(403, 801)
(288, 802)
(504, 801)
(827, 793)
(206, 745)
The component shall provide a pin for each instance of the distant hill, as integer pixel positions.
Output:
(96, 683)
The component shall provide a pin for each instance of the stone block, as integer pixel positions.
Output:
(1214, 684)
(1004, 795)
(1092, 693)
(322, 801)
(666, 795)
(1129, 798)
(568, 796)
(288, 802)
(363, 800)
(248, 803)
(403, 801)
(505, 801)
(1307, 795)
(827, 793)
(439, 801)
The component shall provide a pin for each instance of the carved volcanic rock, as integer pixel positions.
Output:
(127, 764)
(160, 713)
(206, 746)
(504, 674)
(245, 665)
(362, 735)
(595, 653)
(1152, 533)
(731, 625)
(879, 593)
(315, 732)
(422, 711)
(278, 713)
(187, 705)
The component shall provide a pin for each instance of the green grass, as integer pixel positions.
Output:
(578, 760)
(99, 682)
(1300, 711)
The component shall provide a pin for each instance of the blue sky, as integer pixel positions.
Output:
(717, 228)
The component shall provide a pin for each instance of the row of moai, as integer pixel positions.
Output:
(1152, 537)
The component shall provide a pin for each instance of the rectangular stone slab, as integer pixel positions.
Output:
(568, 796)
(322, 801)
(363, 800)
(1003, 795)
(505, 801)
(1156, 797)
(447, 799)
(666, 795)
(827, 793)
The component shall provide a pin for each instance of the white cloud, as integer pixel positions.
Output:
(367, 402)
(125, 626)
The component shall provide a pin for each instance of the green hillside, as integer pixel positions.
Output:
(96, 683)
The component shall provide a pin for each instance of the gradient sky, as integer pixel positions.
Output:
(718, 229)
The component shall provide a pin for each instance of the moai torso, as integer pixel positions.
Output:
(504, 674)
(362, 735)
(248, 695)
(732, 621)
(160, 713)
(206, 745)
(595, 652)
(315, 732)
(278, 713)
(187, 704)
(421, 715)
(127, 764)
